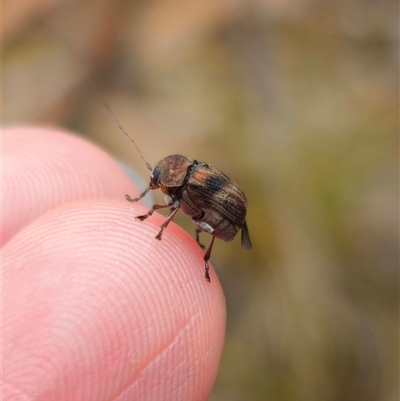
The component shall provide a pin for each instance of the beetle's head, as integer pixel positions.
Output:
(170, 172)
(155, 178)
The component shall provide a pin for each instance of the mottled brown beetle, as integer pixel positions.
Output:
(215, 203)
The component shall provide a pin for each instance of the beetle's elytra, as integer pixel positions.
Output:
(215, 204)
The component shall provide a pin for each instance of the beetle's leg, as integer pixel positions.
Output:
(198, 239)
(142, 195)
(245, 239)
(172, 213)
(207, 257)
(151, 211)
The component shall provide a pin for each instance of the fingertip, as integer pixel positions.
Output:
(138, 311)
(43, 168)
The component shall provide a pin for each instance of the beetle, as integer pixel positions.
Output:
(214, 202)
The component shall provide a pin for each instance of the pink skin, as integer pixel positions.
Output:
(94, 307)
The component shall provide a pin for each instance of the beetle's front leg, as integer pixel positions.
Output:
(142, 195)
(151, 211)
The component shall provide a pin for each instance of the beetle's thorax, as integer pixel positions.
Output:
(172, 173)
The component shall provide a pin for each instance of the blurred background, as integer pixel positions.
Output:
(298, 102)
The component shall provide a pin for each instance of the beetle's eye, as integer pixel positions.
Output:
(155, 177)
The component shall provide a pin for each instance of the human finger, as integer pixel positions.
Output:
(43, 168)
(95, 308)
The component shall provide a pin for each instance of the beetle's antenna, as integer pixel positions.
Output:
(108, 108)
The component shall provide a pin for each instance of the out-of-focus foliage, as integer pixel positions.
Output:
(296, 101)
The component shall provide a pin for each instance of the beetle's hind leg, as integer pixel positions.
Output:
(172, 213)
(198, 239)
(207, 258)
